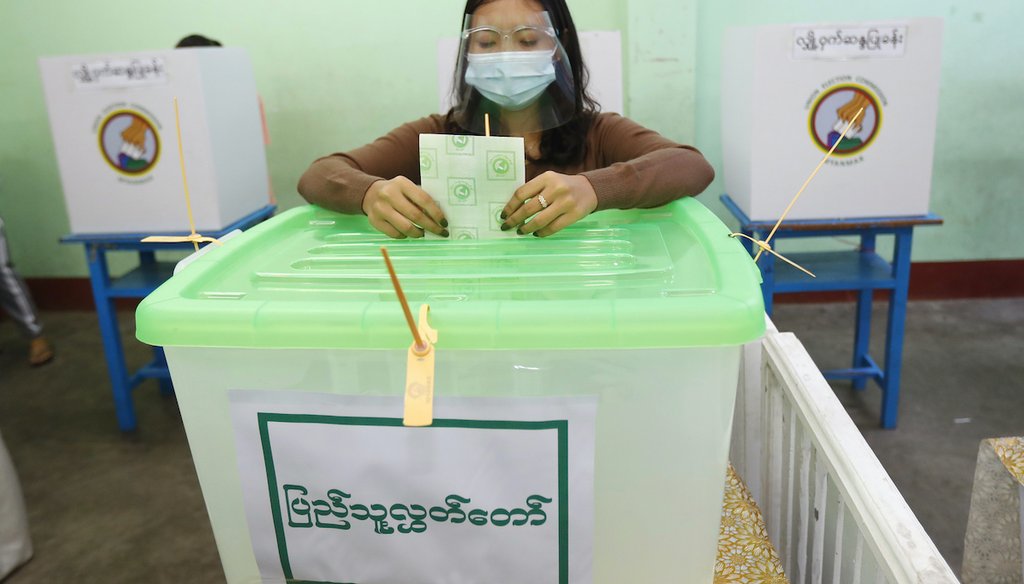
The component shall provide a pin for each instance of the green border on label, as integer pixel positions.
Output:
(562, 426)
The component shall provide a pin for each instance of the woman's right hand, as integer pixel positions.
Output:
(399, 208)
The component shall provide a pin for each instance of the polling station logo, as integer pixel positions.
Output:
(464, 233)
(834, 107)
(500, 166)
(428, 163)
(459, 144)
(129, 142)
(497, 219)
(461, 191)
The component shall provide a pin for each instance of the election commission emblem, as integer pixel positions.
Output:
(832, 112)
(129, 142)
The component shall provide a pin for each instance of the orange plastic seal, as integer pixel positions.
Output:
(419, 376)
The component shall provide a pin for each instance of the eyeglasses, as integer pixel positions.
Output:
(487, 39)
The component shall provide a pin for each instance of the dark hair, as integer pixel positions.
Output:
(196, 40)
(563, 144)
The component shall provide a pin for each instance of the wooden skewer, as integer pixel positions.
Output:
(193, 237)
(184, 178)
(808, 181)
(487, 125)
(420, 345)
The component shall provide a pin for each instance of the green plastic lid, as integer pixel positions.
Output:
(309, 278)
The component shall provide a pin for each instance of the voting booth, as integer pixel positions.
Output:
(788, 92)
(113, 123)
(583, 394)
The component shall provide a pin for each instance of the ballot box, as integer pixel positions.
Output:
(789, 91)
(113, 122)
(583, 394)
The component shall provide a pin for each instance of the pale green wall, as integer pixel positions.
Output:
(334, 74)
(978, 177)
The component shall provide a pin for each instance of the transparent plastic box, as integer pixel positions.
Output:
(647, 310)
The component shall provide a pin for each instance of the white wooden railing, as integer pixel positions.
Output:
(831, 510)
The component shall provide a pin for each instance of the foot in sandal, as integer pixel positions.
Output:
(40, 352)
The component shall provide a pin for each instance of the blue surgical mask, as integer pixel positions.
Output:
(513, 80)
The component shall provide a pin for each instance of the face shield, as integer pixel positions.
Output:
(513, 67)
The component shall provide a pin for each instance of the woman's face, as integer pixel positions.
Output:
(509, 25)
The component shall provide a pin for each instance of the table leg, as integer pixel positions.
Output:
(159, 358)
(767, 265)
(746, 243)
(147, 257)
(894, 332)
(862, 334)
(99, 276)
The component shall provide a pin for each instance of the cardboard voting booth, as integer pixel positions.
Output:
(112, 119)
(787, 93)
(583, 398)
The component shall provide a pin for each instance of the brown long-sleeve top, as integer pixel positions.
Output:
(628, 165)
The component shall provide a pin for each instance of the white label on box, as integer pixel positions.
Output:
(119, 73)
(336, 489)
(849, 42)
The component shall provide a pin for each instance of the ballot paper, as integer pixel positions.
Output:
(472, 178)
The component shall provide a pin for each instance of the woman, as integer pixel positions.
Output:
(519, 62)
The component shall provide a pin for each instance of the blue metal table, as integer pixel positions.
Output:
(137, 283)
(862, 271)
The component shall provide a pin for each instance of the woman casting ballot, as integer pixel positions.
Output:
(519, 62)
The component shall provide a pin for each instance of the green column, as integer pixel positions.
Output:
(660, 61)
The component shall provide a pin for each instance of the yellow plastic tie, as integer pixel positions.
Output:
(419, 364)
(193, 237)
(765, 246)
(419, 375)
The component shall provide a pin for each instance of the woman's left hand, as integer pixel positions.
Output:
(554, 200)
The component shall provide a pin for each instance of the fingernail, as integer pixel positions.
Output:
(535, 234)
(520, 231)
(444, 233)
(444, 222)
(503, 215)
(505, 227)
